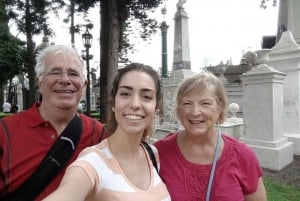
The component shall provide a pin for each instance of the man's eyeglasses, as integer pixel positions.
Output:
(57, 74)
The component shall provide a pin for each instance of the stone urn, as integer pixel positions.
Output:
(262, 56)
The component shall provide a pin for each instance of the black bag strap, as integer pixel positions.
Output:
(58, 156)
(8, 153)
(151, 154)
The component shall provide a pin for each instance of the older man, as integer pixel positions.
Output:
(27, 137)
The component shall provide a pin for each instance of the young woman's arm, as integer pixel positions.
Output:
(75, 186)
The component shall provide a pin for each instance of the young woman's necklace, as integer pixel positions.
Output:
(213, 168)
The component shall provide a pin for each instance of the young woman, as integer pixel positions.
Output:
(200, 163)
(119, 168)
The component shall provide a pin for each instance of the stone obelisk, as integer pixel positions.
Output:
(288, 18)
(181, 70)
(181, 54)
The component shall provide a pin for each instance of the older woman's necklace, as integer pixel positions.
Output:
(213, 168)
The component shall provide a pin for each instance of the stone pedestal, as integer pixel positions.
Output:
(169, 90)
(263, 115)
(285, 57)
(233, 126)
(235, 95)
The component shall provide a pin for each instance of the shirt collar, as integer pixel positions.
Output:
(35, 119)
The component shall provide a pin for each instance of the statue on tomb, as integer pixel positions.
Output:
(180, 4)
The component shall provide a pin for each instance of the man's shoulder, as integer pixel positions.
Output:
(14, 117)
(89, 120)
(29, 116)
(91, 124)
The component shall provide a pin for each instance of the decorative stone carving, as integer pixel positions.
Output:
(262, 68)
(262, 56)
(286, 43)
(170, 106)
(233, 109)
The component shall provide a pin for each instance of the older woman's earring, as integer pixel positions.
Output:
(113, 109)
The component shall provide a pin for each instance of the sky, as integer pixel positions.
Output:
(219, 30)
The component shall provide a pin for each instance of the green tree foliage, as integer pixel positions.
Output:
(116, 17)
(30, 16)
(263, 3)
(4, 30)
(76, 6)
(35, 12)
(12, 51)
(12, 56)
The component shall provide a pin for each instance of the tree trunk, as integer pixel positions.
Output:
(29, 56)
(109, 45)
(72, 29)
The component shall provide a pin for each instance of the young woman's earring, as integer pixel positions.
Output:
(113, 109)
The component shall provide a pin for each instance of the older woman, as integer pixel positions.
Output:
(199, 162)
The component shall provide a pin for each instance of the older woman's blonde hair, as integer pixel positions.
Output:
(200, 82)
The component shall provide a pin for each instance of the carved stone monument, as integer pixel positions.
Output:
(181, 63)
(181, 70)
(181, 52)
(263, 117)
(285, 57)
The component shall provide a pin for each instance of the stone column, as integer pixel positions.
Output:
(164, 58)
(285, 57)
(181, 53)
(263, 115)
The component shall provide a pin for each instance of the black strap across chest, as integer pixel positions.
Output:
(151, 154)
(54, 161)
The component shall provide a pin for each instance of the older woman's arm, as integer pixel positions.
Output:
(260, 194)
